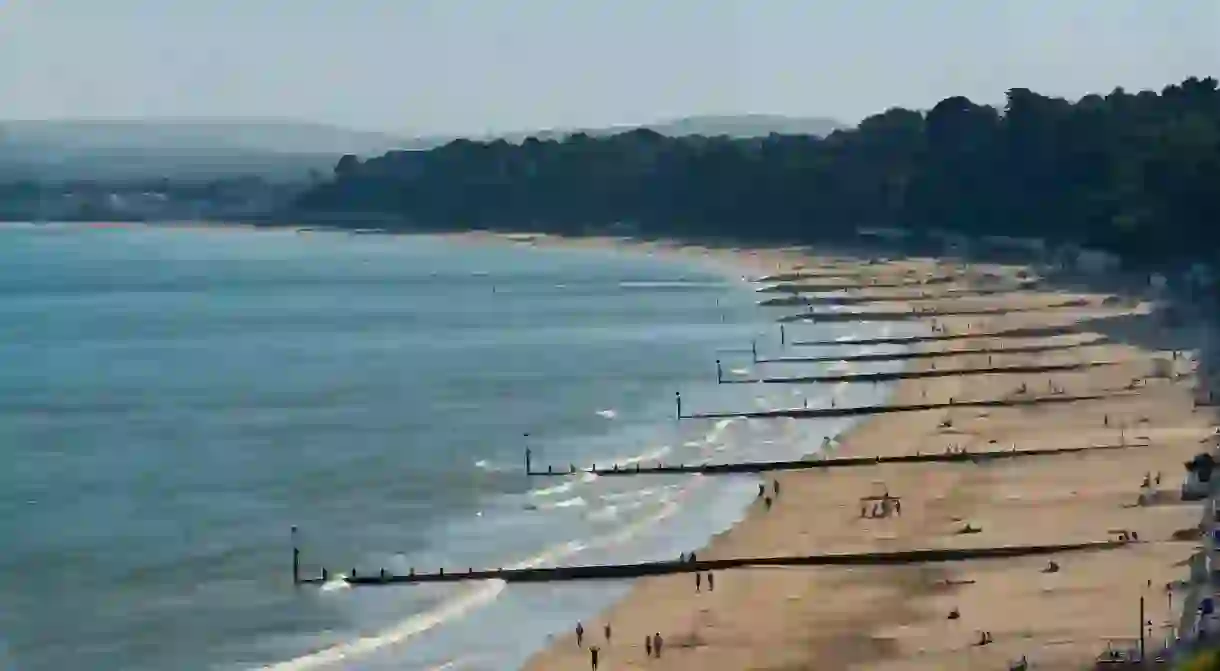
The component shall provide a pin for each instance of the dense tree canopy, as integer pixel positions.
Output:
(1134, 173)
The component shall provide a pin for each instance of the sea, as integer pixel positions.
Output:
(175, 399)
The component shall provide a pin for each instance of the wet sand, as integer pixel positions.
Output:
(898, 617)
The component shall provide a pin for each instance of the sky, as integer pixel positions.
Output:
(474, 66)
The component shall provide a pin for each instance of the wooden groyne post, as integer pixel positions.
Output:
(1143, 627)
(754, 349)
(719, 372)
(296, 558)
(655, 568)
(783, 337)
(678, 401)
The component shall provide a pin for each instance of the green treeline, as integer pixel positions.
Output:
(1134, 173)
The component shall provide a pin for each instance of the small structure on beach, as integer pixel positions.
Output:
(880, 505)
(1198, 477)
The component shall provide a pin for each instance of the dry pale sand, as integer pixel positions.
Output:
(897, 617)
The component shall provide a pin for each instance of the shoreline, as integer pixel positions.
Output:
(761, 263)
(894, 618)
(868, 618)
(741, 264)
(729, 263)
(778, 262)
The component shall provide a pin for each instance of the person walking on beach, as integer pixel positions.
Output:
(647, 645)
(775, 487)
(657, 642)
(593, 650)
(580, 634)
(698, 581)
(607, 629)
(711, 581)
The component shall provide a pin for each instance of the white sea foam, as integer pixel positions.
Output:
(336, 582)
(565, 503)
(490, 467)
(608, 414)
(473, 596)
(468, 598)
(635, 493)
(651, 455)
(555, 489)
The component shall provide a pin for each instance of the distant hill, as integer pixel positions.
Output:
(194, 149)
(96, 149)
(736, 126)
(260, 135)
(747, 125)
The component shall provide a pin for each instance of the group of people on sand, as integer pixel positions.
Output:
(652, 644)
(769, 500)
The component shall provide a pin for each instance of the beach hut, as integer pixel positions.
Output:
(1198, 477)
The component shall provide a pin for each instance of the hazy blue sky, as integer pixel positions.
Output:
(473, 65)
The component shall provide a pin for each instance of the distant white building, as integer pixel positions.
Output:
(1097, 262)
(1158, 282)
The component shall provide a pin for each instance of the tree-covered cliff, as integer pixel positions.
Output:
(1136, 173)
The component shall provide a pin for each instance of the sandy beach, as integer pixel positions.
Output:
(899, 617)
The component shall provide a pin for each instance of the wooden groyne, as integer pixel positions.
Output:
(811, 463)
(906, 315)
(861, 411)
(849, 286)
(672, 567)
(904, 356)
(814, 274)
(890, 376)
(813, 296)
(1024, 332)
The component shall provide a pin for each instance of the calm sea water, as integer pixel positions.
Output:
(172, 400)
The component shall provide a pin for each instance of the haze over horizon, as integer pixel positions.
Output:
(466, 67)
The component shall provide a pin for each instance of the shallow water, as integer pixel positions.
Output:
(172, 400)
